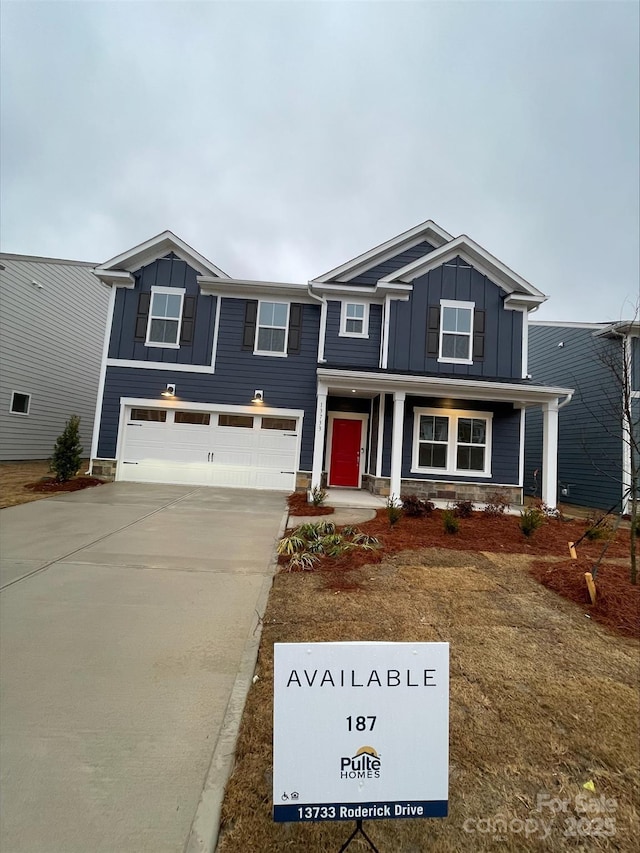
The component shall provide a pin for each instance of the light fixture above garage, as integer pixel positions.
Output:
(258, 396)
(169, 391)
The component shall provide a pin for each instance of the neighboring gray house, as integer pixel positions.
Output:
(52, 319)
(594, 455)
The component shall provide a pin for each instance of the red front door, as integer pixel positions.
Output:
(345, 452)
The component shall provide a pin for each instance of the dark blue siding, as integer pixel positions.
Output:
(164, 272)
(589, 428)
(287, 382)
(457, 281)
(371, 276)
(505, 440)
(352, 352)
(635, 364)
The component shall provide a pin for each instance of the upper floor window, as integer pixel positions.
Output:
(354, 319)
(165, 315)
(271, 328)
(450, 442)
(456, 331)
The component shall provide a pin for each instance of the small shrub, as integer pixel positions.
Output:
(304, 561)
(325, 528)
(363, 540)
(497, 504)
(598, 527)
(463, 509)
(530, 520)
(450, 522)
(416, 507)
(67, 451)
(318, 496)
(291, 544)
(550, 511)
(394, 512)
(350, 530)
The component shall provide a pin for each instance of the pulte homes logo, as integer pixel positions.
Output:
(365, 764)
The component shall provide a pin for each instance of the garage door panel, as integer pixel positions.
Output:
(201, 454)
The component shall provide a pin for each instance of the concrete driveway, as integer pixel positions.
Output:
(128, 639)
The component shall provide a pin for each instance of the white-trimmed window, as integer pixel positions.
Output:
(354, 320)
(20, 403)
(456, 331)
(452, 442)
(272, 328)
(165, 317)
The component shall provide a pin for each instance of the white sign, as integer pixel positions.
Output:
(360, 731)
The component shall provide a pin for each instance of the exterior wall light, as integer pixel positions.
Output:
(258, 396)
(169, 391)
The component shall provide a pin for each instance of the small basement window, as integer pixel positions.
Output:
(200, 418)
(279, 423)
(242, 421)
(20, 403)
(159, 415)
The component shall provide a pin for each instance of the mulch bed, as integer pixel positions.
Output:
(617, 601)
(50, 484)
(298, 506)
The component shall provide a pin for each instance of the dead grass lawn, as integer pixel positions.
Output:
(542, 700)
(14, 476)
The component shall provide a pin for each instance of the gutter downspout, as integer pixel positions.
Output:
(323, 322)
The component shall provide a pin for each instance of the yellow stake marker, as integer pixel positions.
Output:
(572, 551)
(590, 586)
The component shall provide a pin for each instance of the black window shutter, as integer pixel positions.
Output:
(478, 335)
(250, 320)
(295, 328)
(144, 301)
(188, 319)
(433, 330)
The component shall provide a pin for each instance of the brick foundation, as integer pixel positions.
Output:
(441, 490)
(104, 468)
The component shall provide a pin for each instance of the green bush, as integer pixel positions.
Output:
(531, 519)
(598, 527)
(318, 496)
(394, 512)
(450, 522)
(67, 451)
(309, 542)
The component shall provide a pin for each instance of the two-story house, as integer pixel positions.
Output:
(402, 370)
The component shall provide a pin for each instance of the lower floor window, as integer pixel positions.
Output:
(450, 442)
(20, 403)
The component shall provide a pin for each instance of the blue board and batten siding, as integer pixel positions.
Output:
(388, 267)
(287, 382)
(589, 428)
(352, 351)
(164, 272)
(456, 281)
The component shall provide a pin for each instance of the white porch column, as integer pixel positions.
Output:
(396, 443)
(318, 437)
(550, 452)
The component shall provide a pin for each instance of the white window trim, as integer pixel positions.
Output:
(343, 333)
(257, 351)
(453, 303)
(452, 444)
(24, 394)
(172, 291)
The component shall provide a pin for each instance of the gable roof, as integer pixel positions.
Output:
(476, 256)
(150, 250)
(428, 231)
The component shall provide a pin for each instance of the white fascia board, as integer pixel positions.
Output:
(115, 278)
(378, 291)
(157, 247)
(622, 327)
(475, 255)
(523, 302)
(176, 403)
(562, 324)
(425, 231)
(233, 288)
(467, 389)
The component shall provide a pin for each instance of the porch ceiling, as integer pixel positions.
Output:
(363, 384)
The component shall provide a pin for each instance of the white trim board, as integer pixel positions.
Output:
(157, 247)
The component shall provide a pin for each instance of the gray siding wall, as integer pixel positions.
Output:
(287, 382)
(352, 352)
(164, 272)
(371, 276)
(589, 428)
(505, 448)
(456, 280)
(51, 342)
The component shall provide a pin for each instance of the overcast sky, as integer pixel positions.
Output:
(282, 139)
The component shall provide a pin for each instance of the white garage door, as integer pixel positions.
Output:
(255, 451)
